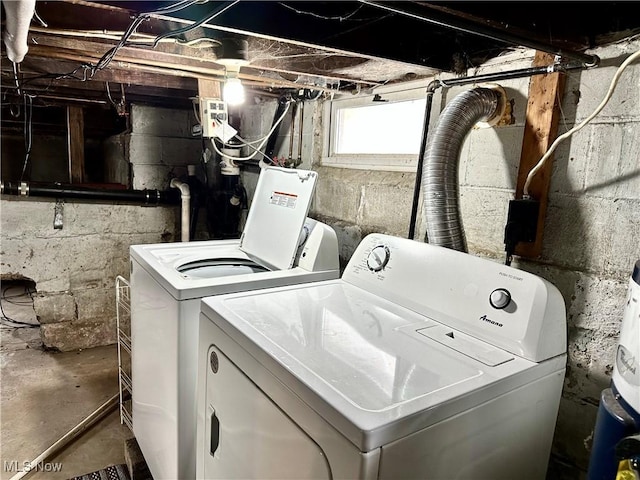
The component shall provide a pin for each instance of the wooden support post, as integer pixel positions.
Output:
(208, 88)
(75, 143)
(540, 130)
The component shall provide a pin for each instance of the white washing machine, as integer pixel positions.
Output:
(420, 362)
(279, 246)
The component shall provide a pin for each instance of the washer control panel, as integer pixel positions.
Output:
(378, 258)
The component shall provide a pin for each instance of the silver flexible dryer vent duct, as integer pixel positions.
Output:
(440, 175)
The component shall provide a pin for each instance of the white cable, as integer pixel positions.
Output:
(195, 112)
(241, 159)
(259, 147)
(253, 148)
(565, 135)
(247, 143)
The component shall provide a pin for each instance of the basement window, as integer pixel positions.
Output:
(379, 131)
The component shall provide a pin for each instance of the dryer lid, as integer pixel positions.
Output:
(276, 216)
(364, 363)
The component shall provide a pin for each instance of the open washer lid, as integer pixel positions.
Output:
(277, 214)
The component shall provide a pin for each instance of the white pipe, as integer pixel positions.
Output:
(186, 207)
(18, 18)
(98, 414)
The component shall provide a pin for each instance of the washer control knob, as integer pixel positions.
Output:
(378, 258)
(500, 298)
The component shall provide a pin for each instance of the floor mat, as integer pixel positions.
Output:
(114, 472)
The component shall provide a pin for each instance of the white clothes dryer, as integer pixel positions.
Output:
(420, 362)
(279, 246)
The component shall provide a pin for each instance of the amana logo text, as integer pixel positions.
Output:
(488, 320)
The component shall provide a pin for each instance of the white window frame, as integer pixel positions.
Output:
(390, 162)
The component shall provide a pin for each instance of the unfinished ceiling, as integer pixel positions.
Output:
(291, 45)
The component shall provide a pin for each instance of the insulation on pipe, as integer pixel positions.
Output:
(18, 17)
(440, 172)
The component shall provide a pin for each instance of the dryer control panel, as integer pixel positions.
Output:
(509, 308)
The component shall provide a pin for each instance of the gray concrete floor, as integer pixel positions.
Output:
(43, 395)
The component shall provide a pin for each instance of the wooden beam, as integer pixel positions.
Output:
(32, 66)
(540, 130)
(165, 66)
(209, 88)
(315, 63)
(75, 142)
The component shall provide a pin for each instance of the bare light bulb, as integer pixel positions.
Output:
(233, 91)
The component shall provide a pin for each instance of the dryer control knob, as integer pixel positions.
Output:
(500, 298)
(378, 258)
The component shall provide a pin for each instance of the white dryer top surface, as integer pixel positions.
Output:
(375, 370)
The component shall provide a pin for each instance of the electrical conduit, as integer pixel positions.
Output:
(186, 207)
(440, 175)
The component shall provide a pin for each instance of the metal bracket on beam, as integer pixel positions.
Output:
(58, 215)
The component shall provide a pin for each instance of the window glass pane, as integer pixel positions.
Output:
(381, 128)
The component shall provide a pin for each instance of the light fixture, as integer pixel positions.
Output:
(233, 56)
(233, 90)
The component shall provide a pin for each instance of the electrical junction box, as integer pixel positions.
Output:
(214, 119)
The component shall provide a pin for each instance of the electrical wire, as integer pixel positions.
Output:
(28, 131)
(244, 142)
(7, 298)
(241, 159)
(194, 43)
(89, 70)
(39, 18)
(179, 31)
(5, 318)
(16, 77)
(195, 112)
(614, 81)
(248, 143)
(322, 17)
(257, 149)
(182, 4)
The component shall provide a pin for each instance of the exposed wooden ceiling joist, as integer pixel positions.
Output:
(291, 45)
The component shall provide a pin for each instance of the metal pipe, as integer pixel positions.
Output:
(511, 74)
(58, 190)
(300, 134)
(98, 414)
(431, 89)
(292, 130)
(271, 142)
(437, 18)
(440, 177)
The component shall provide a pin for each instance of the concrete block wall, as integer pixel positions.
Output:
(75, 268)
(592, 235)
(591, 239)
(160, 145)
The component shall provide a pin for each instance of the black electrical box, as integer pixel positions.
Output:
(522, 223)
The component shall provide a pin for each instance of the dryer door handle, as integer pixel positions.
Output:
(215, 434)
